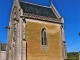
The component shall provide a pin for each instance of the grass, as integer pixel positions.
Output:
(72, 56)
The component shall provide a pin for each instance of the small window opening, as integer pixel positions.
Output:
(44, 36)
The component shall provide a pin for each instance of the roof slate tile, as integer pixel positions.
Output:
(37, 10)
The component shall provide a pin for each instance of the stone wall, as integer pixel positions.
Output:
(2, 55)
(35, 50)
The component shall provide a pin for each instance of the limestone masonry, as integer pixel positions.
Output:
(35, 32)
(3, 51)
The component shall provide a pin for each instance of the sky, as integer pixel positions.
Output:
(69, 9)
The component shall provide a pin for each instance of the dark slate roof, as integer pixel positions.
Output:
(3, 46)
(37, 9)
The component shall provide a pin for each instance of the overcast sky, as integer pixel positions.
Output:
(69, 9)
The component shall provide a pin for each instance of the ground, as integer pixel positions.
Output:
(73, 56)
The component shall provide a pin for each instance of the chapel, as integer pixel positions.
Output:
(35, 32)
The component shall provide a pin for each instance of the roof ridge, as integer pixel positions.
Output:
(35, 4)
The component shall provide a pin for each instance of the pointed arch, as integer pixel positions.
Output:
(44, 36)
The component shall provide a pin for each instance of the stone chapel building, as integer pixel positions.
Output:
(35, 32)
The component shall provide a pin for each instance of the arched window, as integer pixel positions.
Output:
(43, 37)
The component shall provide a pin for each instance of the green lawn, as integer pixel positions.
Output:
(72, 56)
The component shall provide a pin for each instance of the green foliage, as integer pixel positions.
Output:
(72, 56)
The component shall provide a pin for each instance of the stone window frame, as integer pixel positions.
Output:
(44, 47)
(44, 37)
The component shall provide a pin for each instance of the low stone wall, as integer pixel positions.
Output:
(2, 55)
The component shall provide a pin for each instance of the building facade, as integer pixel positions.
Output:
(3, 51)
(35, 32)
